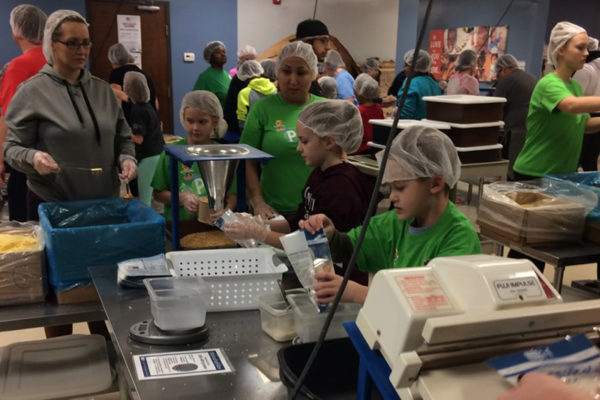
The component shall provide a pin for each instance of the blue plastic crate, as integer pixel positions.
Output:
(584, 180)
(89, 233)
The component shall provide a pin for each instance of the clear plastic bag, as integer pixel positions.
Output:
(22, 271)
(537, 212)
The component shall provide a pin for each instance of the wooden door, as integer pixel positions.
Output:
(156, 51)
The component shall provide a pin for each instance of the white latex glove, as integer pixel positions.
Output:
(189, 201)
(246, 228)
(44, 164)
(128, 170)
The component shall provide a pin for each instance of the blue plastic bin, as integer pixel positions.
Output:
(89, 233)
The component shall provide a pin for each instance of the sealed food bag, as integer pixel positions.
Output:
(319, 247)
(535, 213)
(22, 268)
(575, 360)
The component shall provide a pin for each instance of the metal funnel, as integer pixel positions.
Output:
(217, 175)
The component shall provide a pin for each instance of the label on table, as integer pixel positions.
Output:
(181, 363)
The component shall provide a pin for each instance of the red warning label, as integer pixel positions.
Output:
(424, 293)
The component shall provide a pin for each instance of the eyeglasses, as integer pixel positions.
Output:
(75, 45)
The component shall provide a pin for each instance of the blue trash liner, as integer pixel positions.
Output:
(90, 233)
(584, 180)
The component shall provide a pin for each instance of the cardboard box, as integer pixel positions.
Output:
(79, 294)
(22, 273)
(530, 218)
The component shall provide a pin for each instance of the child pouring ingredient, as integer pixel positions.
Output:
(327, 130)
(202, 118)
(424, 224)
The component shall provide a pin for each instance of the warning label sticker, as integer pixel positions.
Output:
(424, 293)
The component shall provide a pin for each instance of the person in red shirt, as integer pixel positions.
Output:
(27, 24)
(366, 89)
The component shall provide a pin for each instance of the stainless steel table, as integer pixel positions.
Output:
(252, 353)
(47, 314)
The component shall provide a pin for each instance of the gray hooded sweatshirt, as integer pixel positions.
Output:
(81, 126)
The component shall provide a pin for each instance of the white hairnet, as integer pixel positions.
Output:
(269, 66)
(328, 87)
(135, 86)
(28, 22)
(421, 152)
(593, 44)
(466, 59)
(211, 47)
(301, 50)
(422, 63)
(119, 55)
(366, 86)
(560, 35)
(506, 61)
(250, 69)
(333, 60)
(337, 118)
(246, 50)
(208, 103)
(370, 63)
(50, 29)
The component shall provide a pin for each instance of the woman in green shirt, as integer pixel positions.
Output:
(271, 127)
(558, 112)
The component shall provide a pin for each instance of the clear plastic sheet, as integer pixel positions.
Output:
(22, 270)
(538, 212)
(89, 233)
(586, 181)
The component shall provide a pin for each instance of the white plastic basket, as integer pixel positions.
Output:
(236, 276)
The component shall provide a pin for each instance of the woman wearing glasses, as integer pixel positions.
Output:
(66, 130)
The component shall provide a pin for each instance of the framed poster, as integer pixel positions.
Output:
(445, 45)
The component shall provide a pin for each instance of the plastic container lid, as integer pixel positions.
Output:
(405, 123)
(499, 124)
(464, 99)
(479, 148)
(60, 367)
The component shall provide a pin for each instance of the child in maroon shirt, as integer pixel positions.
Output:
(366, 89)
(327, 130)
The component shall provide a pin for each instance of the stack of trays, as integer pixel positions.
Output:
(475, 123)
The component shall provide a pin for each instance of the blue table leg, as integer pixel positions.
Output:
(174, 202)
(240, 204)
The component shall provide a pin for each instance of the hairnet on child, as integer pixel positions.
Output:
(210, 49)
(28, 22)
(301, 50)
(119, 55)
(269, 66)
(208, 103)
(333, 60)
(52, 24)
(506, 61)
(465, 60)
(423, 62)
(246, 50)
(421, 152)
(560, 35)
(337, 118)
(328, 87)
(370, 63)
(250, 69)
(135, 86)
(593, 44)
(366, 86)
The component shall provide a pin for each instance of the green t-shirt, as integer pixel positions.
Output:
(554, 137)
(388, 243)
(272, 123)
(190, 181)
(214, 81)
